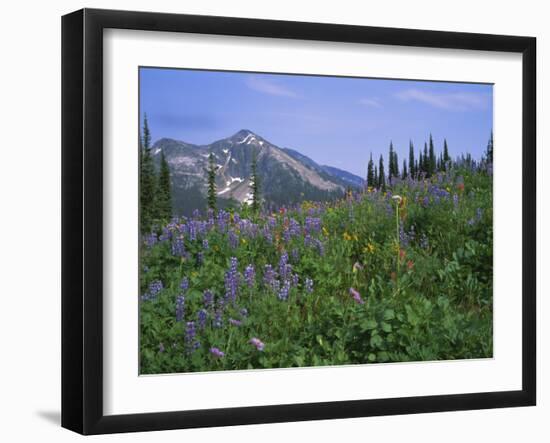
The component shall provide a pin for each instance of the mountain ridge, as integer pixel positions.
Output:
(286, 176)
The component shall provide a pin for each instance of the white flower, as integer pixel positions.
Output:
(397, 198)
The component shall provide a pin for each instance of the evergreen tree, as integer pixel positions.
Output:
(489, 153)
(420, 168)
(395, 165)
(404, 173)
(446, 157)
(147, 181)
(375, 179)
(370, 172)
(211, 198)
(411, 160)
(381, 174)
(432, 161)
(425, 160)
(255, 185)
(391, 167)
(164, 197)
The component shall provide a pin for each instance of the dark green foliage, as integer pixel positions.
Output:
(412, 169)
(446, 157)
(211, 197)
(404, 172)
(391, 166)
(425, 161)
(489, 153)
(395, 165)
(164, 193)
(147, 176)
(370, 173)
(431, 167)
(381, 174)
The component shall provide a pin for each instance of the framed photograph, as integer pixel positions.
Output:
(269, 221)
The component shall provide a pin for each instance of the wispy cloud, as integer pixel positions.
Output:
(268, 86)
(452, 101)
(372, 102)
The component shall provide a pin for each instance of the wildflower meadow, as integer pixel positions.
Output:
(396, 273)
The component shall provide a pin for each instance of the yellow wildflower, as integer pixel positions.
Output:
(347, 237)
(369, 248)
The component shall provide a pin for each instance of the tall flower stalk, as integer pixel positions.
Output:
(397, 199)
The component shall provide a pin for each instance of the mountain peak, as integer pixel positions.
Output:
(243, 133)
(247, 137)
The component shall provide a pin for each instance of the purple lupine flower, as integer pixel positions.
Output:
(233, 239)
(295, 279)
(217, 353)
(180, 307)
(295, 254)
(234, 322)
(250, 275)
(150, 240)
(218, 320)
(196, 213)
(184, 284)
(193, 230)
(425, 201)
(154, 288)
(190, 337)
(285, 269)
(320, 247)
(205, 244)
(161, 348)
(309, 285)
(232, 280)
(294, 228)
(286, 235)
(178, 247)
(312, 224)
(455, 200)
(266, 233)
(269, 275)
(202, 316)
(207, 299)
(283, 292)
(200, 258)
(356, 296)
(257, 343)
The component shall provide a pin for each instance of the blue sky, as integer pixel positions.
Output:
(336, 121)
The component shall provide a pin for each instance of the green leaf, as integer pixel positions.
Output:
(376, 341)
(367, 325)
(386, 327)
(389, 314)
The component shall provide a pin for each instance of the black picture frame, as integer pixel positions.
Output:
(82, 215)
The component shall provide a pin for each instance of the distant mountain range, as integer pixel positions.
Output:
(286, 175)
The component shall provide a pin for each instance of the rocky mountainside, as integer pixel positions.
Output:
(286, 176)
